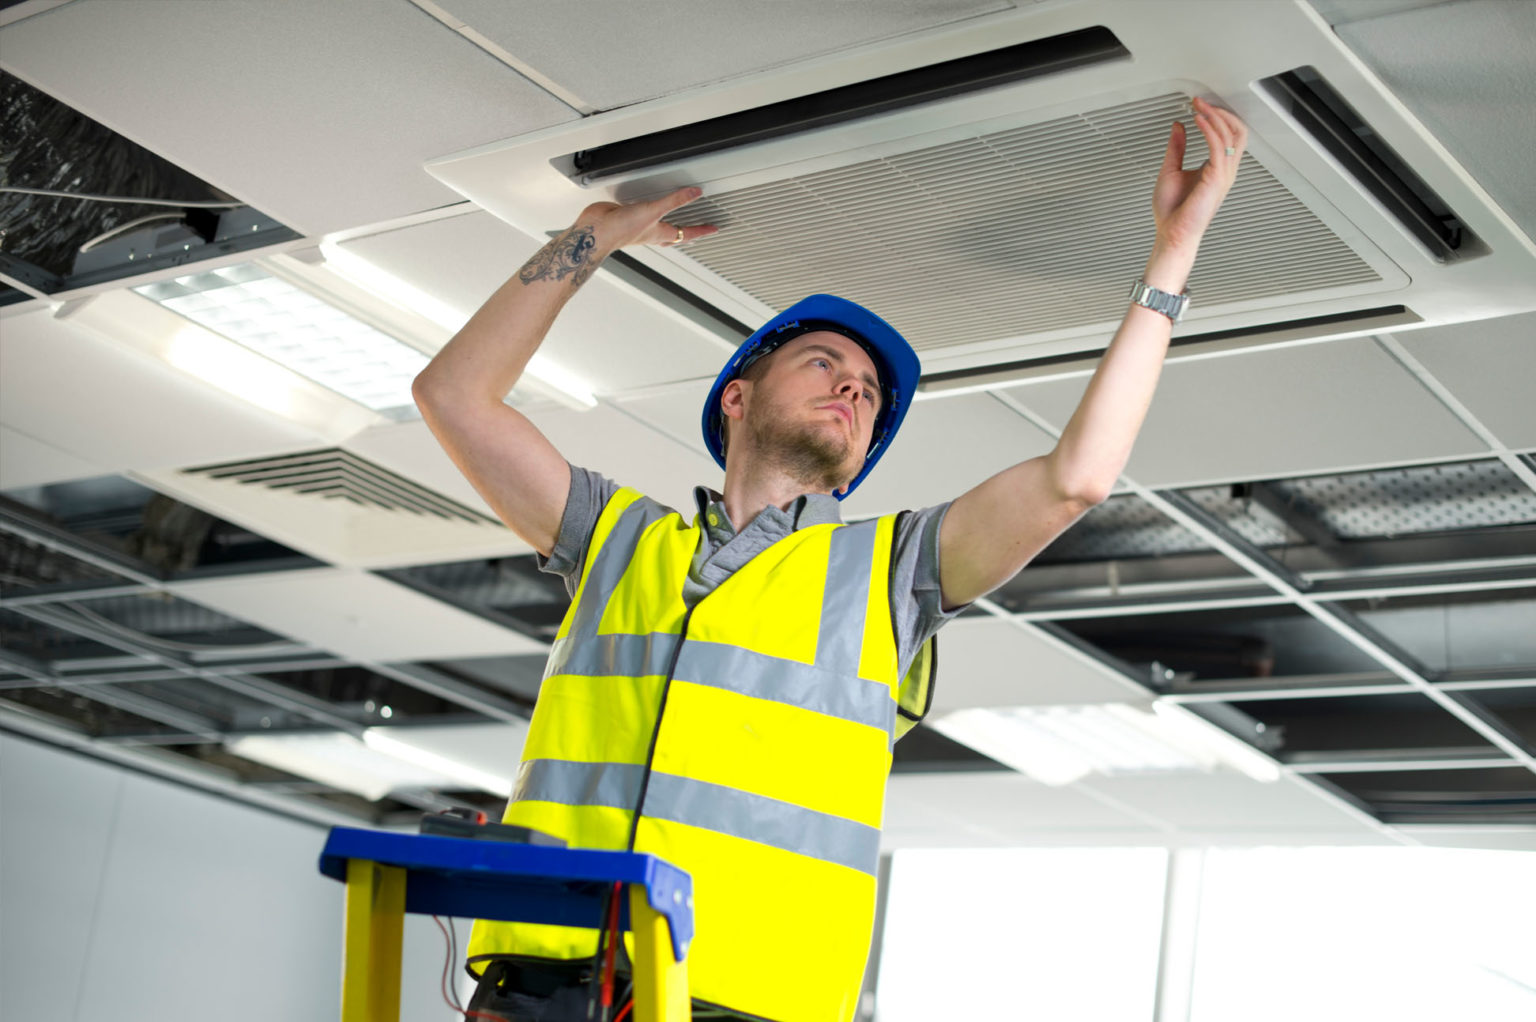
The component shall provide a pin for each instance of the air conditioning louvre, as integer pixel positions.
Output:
(1031, 229)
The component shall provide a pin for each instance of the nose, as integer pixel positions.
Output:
(851, 387)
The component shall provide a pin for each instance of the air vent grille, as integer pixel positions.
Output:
(341, 475)
(1031, 229)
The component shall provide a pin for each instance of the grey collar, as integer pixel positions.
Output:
(806, 510)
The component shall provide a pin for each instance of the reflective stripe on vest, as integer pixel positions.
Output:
(764, 774)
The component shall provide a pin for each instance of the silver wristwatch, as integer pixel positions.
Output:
(1172, 306)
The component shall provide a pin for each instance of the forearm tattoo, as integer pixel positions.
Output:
(571, 254)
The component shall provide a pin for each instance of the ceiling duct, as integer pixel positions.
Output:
(338, 474)
(1004, 221)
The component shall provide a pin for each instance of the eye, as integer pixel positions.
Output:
(823, 363)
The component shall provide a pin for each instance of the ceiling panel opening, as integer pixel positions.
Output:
(230, 712)
(367, 697)
(166, 623)
(1515, 708)
(516, 676)
(1122, 551)
(511, 591)
(1494, 795)
(56, 243)
(143, 530)
(1329, 526)
(1334, 728)
(1489, 631)
(46, 645)
(76, 711)
(1187, 651)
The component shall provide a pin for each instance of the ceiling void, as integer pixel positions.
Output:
(129, 527)
(1494, 795)
(511, 591)
(367, 697)
(1335, 728)
(1188, 650)
(1488, 632)
(55, 243)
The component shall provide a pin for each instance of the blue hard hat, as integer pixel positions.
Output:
(894, 359)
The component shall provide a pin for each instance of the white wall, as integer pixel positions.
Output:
(131, 898)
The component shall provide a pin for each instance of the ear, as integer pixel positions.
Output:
(733, 399)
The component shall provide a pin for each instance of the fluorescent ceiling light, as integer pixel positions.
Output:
(340, 761)
(398, 742)
(561, 384)
(1058, 745)
(298, 330)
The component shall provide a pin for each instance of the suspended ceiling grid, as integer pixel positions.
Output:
(1416, 398)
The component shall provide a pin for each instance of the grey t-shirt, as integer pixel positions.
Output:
(916, 602)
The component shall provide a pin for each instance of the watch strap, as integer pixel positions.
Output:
(1170, 305)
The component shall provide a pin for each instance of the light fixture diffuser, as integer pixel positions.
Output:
(1058, 745)
(298, 330)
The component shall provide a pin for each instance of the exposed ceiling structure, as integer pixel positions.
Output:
(1308, 614)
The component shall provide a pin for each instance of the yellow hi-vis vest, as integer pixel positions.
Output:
(754, 732)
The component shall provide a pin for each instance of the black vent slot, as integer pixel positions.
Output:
(1334, 124)
(1065, 52)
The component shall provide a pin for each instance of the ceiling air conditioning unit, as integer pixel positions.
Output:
(986, 187)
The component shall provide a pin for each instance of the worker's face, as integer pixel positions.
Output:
(814, 409)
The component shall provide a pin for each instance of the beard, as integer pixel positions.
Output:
(804, 451)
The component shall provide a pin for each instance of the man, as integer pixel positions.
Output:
(724, 692)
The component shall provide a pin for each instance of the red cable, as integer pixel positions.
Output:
(613, 942)
(624, 1011)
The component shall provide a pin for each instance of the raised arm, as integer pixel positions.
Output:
(995, 529)
(503, 455)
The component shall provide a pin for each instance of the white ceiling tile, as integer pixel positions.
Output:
(28, 461)
(1468, 72)
(993, 662)
(694, 42)
(607, 335)
(355, 615)
(1288, 411)
(970, 808)
(945, 447)
(1227, 801)
(677, 411)
(121, 409)
(629, 452)
(319, 114)
(1488, 365)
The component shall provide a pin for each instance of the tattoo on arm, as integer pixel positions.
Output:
(569, 255)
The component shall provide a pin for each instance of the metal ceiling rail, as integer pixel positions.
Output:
(1479, 577)
(1339, 620)
(66, 543)
(1393, 347)
(1387, 764)
(227, 676)
(1285, 582)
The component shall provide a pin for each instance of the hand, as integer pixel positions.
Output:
(1185, 201)
(641, 223)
